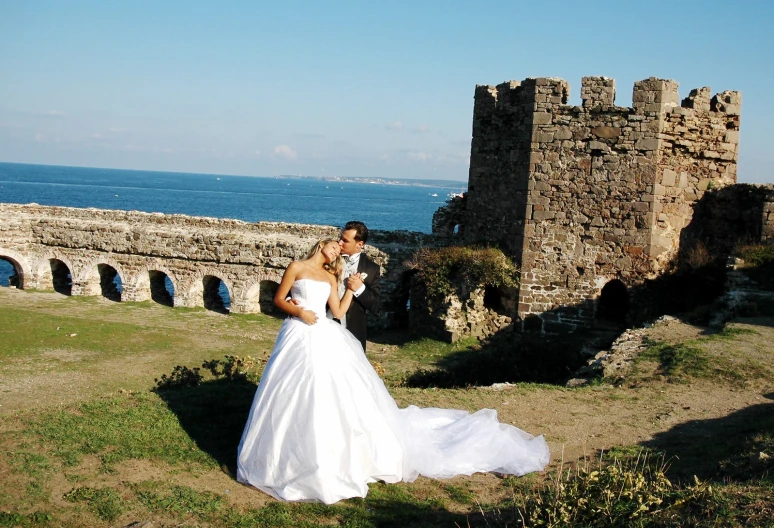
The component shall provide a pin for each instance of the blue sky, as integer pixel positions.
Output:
(374, 89)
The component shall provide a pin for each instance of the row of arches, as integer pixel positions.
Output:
(159, 286)
(212, 292)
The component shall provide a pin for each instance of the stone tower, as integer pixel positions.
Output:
(591, 197)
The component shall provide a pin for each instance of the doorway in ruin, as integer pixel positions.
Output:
(493, 299)
(110, 283)
(10, 273)
(613, 303)
(215, 294)
(61, 277)
(161, 288)
(403, 296)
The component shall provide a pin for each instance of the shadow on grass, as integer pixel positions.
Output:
(513, 357)
(213, 414)
(737, 448)
(391, 337)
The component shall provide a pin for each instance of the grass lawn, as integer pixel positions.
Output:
(86, 442)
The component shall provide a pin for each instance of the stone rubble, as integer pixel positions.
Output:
(614, 364)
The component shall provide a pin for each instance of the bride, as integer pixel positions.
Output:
(322, 424)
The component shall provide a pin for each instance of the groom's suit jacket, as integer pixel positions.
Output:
(369, 300)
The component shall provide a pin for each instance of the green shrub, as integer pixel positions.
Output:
(440, 269)
(757, 254)
(622, 493)
(181, 376)
(231, 368)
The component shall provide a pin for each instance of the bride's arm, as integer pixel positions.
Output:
(338, 307)
(282, 302)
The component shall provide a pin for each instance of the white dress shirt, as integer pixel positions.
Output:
(350, 268)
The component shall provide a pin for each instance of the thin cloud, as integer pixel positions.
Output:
(421, 129)
(397, 125)
(284, 151)
(420, 156)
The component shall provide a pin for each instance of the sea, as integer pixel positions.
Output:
(386, 204)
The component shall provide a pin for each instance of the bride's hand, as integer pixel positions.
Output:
(308, 316)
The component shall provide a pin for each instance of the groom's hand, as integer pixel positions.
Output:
(354, 282)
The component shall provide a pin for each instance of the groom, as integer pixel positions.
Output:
(361, 275)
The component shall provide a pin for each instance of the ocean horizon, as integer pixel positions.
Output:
(382, 203)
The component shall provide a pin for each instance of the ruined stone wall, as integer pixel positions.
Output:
(698, 153)
(248, 257)
(583, 195)
(726, 218)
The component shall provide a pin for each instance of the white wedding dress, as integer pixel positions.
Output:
(322, 424)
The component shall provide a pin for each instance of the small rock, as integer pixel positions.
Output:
(576, 382)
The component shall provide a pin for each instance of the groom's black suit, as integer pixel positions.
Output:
(369, 300)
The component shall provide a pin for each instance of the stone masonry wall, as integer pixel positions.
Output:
(247, 257)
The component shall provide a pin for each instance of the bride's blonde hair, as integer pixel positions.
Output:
(336, 266)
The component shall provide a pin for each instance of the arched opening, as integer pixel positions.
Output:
(215, 294)
(266, 299)
(161, 288)
(109, 282)
(613, 303)
(61, 278)
(10, 273)
(493, 299)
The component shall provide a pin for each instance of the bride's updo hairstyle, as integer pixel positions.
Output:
(336, 266)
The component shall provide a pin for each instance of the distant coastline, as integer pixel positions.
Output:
(452, 184)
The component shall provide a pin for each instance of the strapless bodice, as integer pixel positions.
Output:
(311, 294)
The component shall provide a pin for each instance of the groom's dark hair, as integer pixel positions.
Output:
(361, 231)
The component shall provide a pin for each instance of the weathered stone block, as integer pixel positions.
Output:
(563, 133)
(542, 137)
(542, 118)
(606, 132)
(647, 144)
